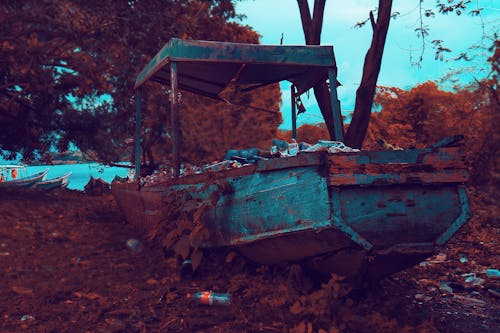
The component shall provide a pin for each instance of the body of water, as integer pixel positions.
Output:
(80, 173)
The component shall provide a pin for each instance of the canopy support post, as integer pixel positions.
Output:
(137, 140)
(338, 127)
(294, 113)
(176, 140)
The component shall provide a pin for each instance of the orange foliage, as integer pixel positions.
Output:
(307, 133)
(209, 128)
(425, 114)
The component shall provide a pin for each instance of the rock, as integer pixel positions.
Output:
(134, 245)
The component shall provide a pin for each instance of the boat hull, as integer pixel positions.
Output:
(52, 184)
(360, 214)
(26, 181)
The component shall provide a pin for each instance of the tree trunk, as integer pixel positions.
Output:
(312, 33)
(371, 69)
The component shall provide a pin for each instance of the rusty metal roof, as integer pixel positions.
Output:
(207, 68)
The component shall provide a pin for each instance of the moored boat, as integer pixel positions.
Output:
(53, 183)
(24, 182)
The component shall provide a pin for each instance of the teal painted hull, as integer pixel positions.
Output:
(311, 209)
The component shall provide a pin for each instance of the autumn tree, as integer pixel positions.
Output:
(306, 133)
(68, 70)
(425, 114)
(379, 21)
(45, 66)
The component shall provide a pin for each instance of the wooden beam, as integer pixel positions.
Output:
(175, 119)
(338, 126)
(294, 113)
(137, 140)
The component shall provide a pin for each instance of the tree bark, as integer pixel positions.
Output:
(371, 69)
(312, 33)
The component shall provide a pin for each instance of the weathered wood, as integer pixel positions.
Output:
(176, 138)
(436, 177)
(289, 211)
(294, 112)
(137, 138)
(400, 214)
(425, 166)
(452, 157)
(338, 126)
(309, 159)
(372, 169)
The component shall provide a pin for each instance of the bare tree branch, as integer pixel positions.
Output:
(305, 17)
(371, 69)
(372, 20)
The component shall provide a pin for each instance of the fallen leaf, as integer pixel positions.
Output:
(152, 282)
(22, 290)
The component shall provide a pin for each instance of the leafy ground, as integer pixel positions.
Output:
(65, 267)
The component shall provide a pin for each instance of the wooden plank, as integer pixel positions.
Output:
(202, 178)
(176, 137)
(137, 137)
(449, 157)
(338, 126)
(373, 169)
(294, 113)
(307, 159)
(437, 177)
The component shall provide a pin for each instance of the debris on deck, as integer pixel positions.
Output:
(239, 158)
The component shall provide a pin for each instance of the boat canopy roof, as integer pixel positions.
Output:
(207, 67)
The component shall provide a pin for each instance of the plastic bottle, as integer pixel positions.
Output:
(134, 245)
(211, 298)
(293, 148)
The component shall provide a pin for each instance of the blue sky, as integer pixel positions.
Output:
(271, 18)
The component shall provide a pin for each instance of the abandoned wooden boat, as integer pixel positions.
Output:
(359, 214)
(27, 181)
(53, 183)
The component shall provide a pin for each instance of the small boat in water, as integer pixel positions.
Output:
(54, 183)
(23, 182)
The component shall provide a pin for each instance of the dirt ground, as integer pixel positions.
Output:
(65, 267)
